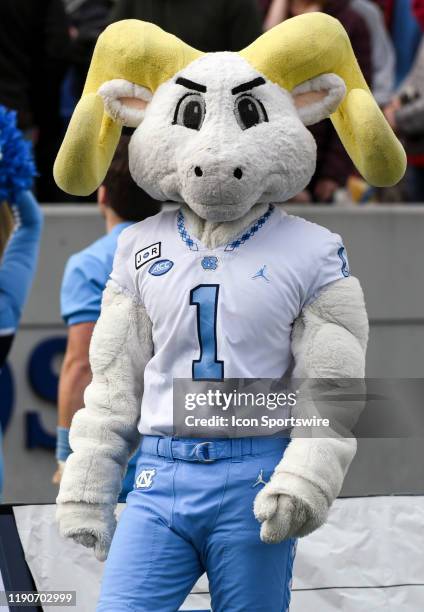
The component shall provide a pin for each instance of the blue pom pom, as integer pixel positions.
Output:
(17, 167)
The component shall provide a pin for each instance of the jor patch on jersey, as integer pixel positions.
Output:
(225, 312)
(147, 254)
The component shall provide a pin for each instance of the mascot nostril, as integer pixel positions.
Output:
(198, 171)
(238, 173)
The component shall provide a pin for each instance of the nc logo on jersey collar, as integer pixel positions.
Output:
(145, 479)
(161, 267)
(210, 262)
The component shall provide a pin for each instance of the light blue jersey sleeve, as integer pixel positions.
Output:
(125, 268)
(331, 264)
(18, 265)
(82, 287)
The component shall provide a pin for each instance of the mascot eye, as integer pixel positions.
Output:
(190, 112)
(249, 112)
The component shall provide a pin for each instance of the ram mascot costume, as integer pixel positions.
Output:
(227, 286)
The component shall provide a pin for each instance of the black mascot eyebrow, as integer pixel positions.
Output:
(191, 84)
(248, 86)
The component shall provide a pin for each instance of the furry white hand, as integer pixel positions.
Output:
(91, 525)
(285, 516)
(100, 546)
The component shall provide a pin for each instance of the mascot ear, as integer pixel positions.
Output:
(318, 98)
(124, 101)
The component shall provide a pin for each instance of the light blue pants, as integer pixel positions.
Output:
(191, 511)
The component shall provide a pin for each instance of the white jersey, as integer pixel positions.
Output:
(223, 312)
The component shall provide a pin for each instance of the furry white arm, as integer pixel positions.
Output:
(104, 433)
(329, 341)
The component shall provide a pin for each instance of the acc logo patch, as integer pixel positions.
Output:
(210, 262)
(161, 267)
(147, 254)
(145, 479)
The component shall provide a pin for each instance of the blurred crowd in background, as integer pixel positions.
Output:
(46, 47)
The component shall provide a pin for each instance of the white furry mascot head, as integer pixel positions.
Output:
(223, 131)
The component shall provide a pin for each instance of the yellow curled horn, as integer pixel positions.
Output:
(312, 44)
(134, 50)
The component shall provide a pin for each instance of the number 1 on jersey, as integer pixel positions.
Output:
(207, 367)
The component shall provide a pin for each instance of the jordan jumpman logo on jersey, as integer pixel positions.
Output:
(261, 274)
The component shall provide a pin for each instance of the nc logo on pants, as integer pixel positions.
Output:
(145, 479)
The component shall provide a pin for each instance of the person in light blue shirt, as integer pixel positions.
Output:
(20, 227)
(85, 277)
(21, 223)
(17, 269)
(17, 265)
(121, 203)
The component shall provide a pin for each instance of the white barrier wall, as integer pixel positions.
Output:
(386, 251)
(367, 557)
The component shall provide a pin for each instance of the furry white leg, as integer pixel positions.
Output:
(329, 341)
